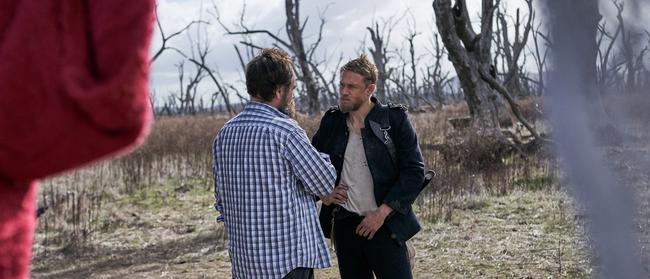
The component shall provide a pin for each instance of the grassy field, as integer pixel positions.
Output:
(168, 231)
(150, 214)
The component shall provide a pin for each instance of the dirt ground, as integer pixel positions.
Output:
(166, 233)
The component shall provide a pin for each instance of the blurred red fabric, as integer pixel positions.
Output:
(73, 89)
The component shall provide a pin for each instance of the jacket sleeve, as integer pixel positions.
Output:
(410, 167)
(73, 83)
(318, 137)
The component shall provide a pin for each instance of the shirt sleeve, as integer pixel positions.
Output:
(218, 203)
(311, 167)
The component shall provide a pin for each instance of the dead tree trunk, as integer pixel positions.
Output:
(294, 32)
(413, 67)
(469, 52)
(380, 59)
(471, 56)
(304, 56)
(439, 79)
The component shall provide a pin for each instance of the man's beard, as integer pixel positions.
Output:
(349, 106)
(288, 106)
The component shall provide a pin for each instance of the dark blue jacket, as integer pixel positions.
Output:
(396, 181)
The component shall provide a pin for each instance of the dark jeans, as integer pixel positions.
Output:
(359, 257)
(300, 273)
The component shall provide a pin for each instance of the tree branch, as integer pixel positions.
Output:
(445, 21)
(165, 39)
(506, 95)
(463, 26)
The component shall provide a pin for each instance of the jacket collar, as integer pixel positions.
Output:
(378, 114)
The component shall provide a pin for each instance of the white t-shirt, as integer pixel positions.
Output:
(356, 175)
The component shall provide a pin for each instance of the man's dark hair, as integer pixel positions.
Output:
(269, 70)
(362, 66)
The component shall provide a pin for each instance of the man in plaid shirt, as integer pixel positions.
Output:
(266, 177)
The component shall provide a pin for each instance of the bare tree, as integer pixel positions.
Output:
(379, 57)
(198, 58)
(540, 57)
(170, 107)
(436, 78)
(380, 33)
(152, 101)
(304, 55)
(512, 49)
(470, 53)
(644, 82)
(295, 28)
(413, 62)
(187, 92)
(605, 72)
(328, 85)
(165, 38)
(185, 100)
(398, 76)
(633, 60)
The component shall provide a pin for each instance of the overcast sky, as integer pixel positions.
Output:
(343, 32)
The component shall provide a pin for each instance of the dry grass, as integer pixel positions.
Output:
(525, 233)
(177, 148)
(180, 148)
(150, 214)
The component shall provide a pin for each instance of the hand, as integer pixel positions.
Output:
(338, 196)
(373, 221)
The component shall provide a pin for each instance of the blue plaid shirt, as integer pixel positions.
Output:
(266, 176)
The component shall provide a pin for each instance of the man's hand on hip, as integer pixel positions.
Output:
(373, 221)
(338, 196)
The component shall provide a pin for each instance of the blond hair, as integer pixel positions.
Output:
(362, 66)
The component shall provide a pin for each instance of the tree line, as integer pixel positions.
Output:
(494, 63)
